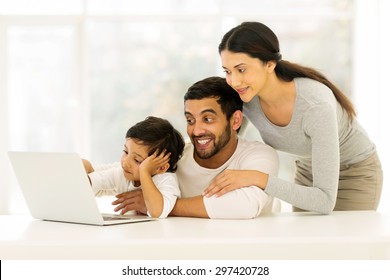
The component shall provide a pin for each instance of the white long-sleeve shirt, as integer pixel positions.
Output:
(109, 180)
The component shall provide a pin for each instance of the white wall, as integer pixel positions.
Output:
(371, 76)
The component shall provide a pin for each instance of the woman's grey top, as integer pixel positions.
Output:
(322, 137)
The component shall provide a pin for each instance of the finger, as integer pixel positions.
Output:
(163, 156)
(213, 189)
(118, 201)
(121, 195)
(224, 190)
(128, 195)
(167, 154)
(219, 186)
(126, 209)
(210, 190)
(119, 207)
(124, 205)
(157, 153)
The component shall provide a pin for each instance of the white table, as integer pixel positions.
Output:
(340, 235)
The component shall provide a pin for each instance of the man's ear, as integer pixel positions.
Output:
(162, 169)
(236, 120)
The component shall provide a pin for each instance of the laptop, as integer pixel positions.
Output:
(56, 187)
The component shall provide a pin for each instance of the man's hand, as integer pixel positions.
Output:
(130, 201)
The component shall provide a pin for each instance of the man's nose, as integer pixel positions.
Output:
(198, 129)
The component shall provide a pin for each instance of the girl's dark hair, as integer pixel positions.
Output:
(259, 41)
(216, 87)
(159, 135)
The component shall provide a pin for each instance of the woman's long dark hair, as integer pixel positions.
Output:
(259, 41)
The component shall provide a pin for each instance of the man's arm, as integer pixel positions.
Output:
(184, 207)
(244, 203)
(190, 207)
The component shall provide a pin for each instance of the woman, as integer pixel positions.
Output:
(299, 111)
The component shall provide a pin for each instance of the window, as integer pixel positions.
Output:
(75, 75)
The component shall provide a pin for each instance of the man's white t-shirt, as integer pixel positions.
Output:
(243, 203)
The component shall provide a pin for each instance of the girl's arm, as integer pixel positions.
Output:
(153, 198)
(88, 166)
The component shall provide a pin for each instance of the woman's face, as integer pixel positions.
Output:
(246, 75)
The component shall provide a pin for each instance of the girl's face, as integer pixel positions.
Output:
(133, 154)
(245, 74)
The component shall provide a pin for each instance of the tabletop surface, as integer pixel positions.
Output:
(366, 234)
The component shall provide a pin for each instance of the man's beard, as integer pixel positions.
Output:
(217, 146)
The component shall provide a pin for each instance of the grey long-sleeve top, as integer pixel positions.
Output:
(321, 135)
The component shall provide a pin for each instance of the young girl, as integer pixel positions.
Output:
(299, 111)
(151, 152)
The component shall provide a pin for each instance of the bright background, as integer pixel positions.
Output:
(76, 74)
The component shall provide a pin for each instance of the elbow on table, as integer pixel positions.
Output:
(244, 213)
(328, 208)
(238, 204)
(325, 211)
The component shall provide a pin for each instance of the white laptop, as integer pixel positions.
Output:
(56, 188)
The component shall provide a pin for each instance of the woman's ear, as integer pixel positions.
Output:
(271, 65)
(236, 119)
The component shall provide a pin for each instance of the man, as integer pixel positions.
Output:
(214, 115)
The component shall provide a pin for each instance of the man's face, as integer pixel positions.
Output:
(207, 127)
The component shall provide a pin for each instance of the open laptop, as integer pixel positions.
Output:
(56, 188)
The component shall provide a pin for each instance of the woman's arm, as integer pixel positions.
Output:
(253, 168)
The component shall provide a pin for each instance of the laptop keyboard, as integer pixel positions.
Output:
(115, 217)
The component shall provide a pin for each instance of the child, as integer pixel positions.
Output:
(149, 160)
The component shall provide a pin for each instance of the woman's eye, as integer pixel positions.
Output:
(241, 70)
(125, 152)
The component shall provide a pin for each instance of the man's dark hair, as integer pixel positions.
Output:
(216, 87)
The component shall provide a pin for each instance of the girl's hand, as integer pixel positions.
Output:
(87, 166)
(155, 163)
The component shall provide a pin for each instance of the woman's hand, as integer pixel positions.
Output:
(229, 180)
